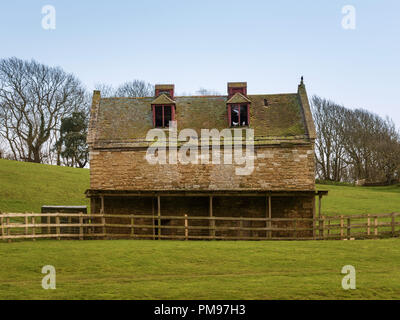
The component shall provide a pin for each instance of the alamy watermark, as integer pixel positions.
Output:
(188, 148)
(49, 280)
(349, 280)
(49, 17)
(349, 18)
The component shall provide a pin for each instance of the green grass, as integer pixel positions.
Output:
(359, 200)
(200, 270)
(190, 270)
(27, 186)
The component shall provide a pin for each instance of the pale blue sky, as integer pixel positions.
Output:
(194, 44)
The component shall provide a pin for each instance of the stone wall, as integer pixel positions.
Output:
(275, 168)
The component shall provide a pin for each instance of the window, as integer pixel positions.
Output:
(162, 115)
(239, 114)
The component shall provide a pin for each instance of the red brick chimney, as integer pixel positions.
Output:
(235, 87)
(167, 89)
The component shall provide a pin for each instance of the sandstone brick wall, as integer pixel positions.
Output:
(275, 168)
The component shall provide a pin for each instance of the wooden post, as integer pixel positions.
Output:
(152, 212)
(26, 225)
(48, 222)
(329, 228)
(132, 227)
(369, 225)
(159, 215)
(2, 226)
(269, 216)
(348, 228)
(103, 222)
(241, 228)
(341, 227)
(322, 227)
(319, 205)
(8, 228)
(376, 226)
(393, 224)
(102, 204)
(58, 227)
(33, 228)
(80, 226)
(314, 220)
(295, 228)
(69, 222)
(212, 221)
(186, 228)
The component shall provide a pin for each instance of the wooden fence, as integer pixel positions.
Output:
(14, 226)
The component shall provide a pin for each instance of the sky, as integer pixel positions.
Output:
(205, 44)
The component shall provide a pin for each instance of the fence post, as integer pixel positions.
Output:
(329, 228)
(70, 229)
(26, 225)
(348, 228)
(376, 226)
(8, 228)
(132, 227)
(321, 227)
(103, 222)
(295, 228)
(240, 228)
(33, 228)
(2, 226)
(186, 228)
(213, 226)
(48, 227)
(369, 225)
(341, 227)
(80, 226)
(393, 224)
(58, 226)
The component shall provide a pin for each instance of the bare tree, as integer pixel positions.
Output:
(33, 99)
(106, 90)
(330, 153)
(132, 89)
(135, 88)
(207, 92)
(354, 145)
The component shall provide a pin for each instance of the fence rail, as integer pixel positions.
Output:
(59, 226)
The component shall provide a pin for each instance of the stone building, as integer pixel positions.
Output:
(280, 183)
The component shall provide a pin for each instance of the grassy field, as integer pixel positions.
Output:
(200, 270)
(25, 187)
(190, 270)
(28, 186)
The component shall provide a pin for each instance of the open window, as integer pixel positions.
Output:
(239, 115)
(162, 115)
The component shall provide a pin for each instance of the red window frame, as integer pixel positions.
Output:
(230, 114)
(163, 114)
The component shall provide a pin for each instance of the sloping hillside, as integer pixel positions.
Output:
(28, 186)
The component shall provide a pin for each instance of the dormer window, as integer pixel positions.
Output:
(162, 115)
(238, 105)
(239, 115)
(163, 106)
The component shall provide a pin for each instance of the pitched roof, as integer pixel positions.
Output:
(163, 99)
(238, 98)
(275, 118)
